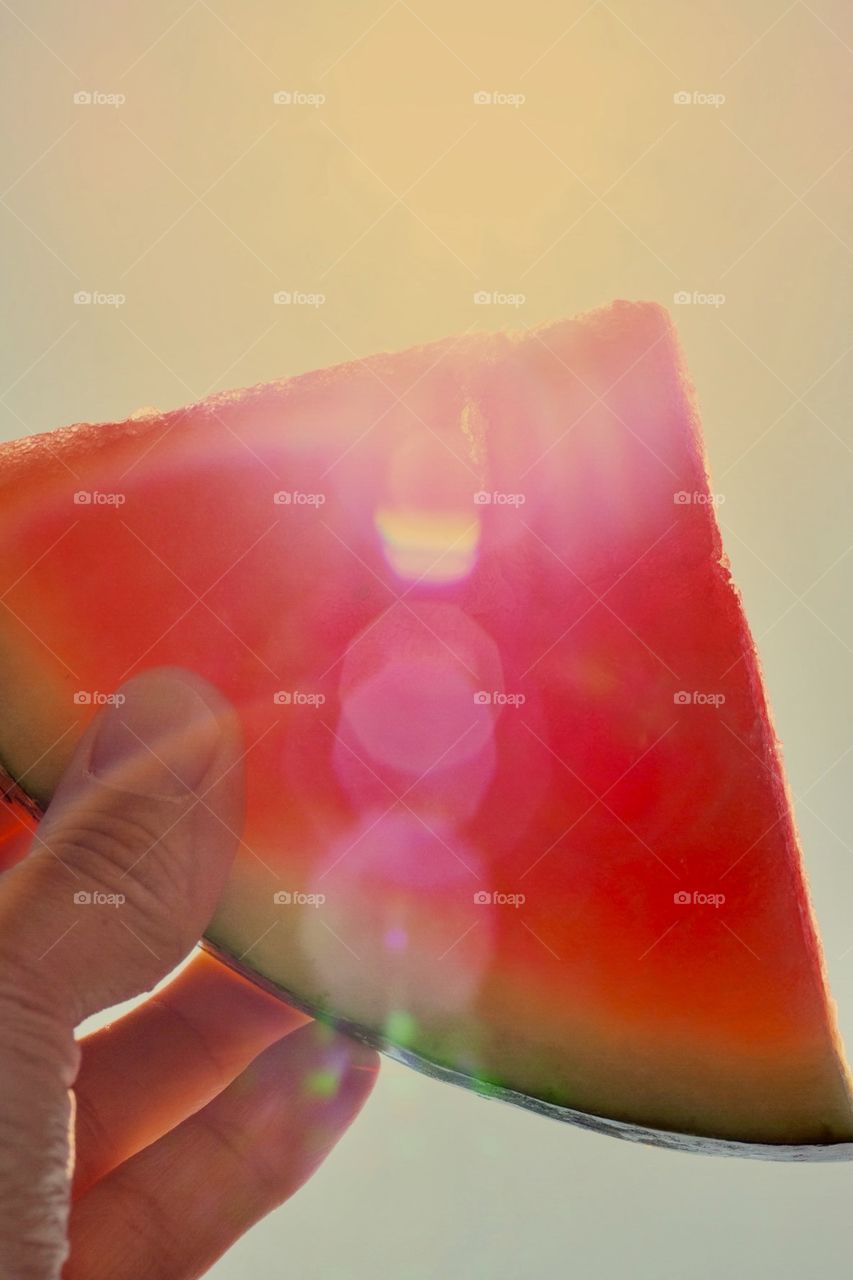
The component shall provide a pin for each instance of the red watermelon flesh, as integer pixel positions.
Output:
(516, 811)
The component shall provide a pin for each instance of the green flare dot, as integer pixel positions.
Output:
(400, 1027)
(323, 1083)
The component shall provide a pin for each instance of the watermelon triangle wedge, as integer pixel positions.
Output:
(516, 812)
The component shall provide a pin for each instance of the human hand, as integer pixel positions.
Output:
(209, 1104)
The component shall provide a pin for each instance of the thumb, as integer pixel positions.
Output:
(124, 873)
(132, 854)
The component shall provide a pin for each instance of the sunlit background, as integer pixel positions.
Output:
(622, 150)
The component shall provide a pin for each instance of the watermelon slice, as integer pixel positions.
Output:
(516, 812)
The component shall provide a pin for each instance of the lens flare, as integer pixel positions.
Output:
(429, 546)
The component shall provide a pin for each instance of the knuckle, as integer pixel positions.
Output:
(31, 1011)
(108, 843)
(125, 858)
(37, 1041)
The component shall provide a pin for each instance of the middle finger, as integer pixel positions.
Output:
(145, 1073)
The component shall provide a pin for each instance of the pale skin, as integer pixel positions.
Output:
(147, 1148)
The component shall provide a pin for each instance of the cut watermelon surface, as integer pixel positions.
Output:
(516, 811)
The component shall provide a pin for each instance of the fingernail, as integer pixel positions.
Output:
(159, 741)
